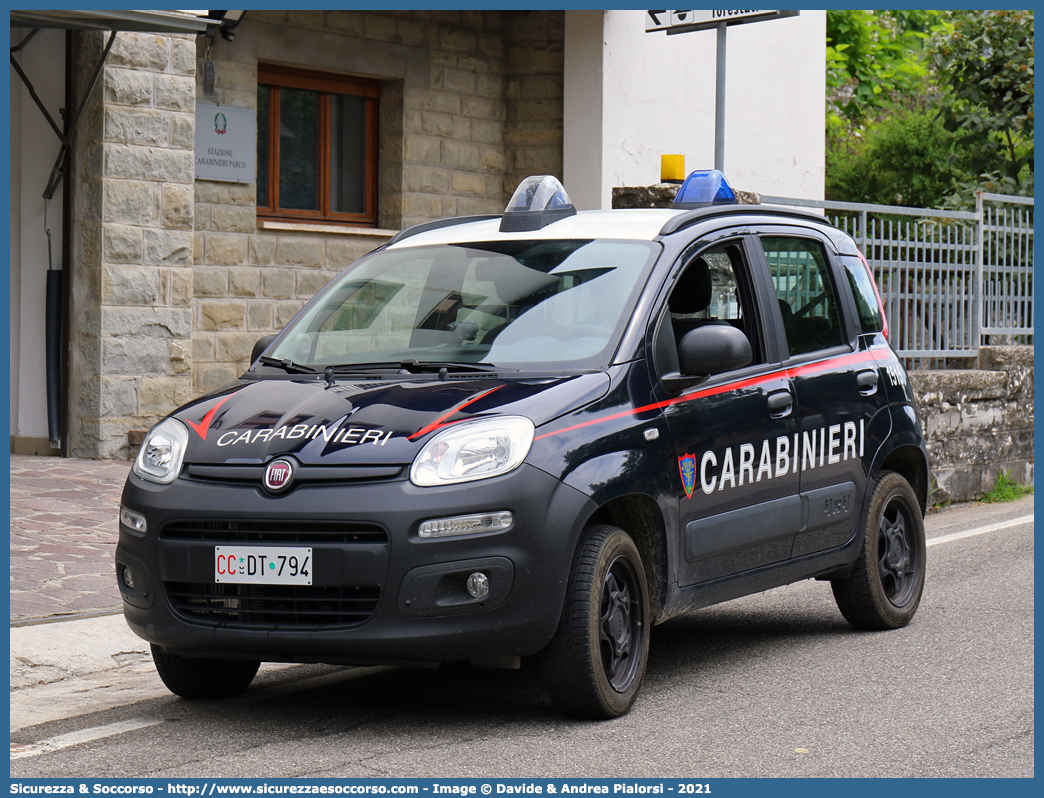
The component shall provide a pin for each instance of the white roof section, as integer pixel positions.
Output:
(639, 224)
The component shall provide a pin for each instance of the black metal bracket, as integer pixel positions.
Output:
(58, 171)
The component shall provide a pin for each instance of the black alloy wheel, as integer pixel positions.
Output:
(895, 555)
(619, 623)
(595, 663)
(884, 588)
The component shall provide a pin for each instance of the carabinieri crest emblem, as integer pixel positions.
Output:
(687, 467)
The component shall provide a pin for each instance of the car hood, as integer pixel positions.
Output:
(362, 423)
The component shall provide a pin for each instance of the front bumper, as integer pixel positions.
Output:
(411, 607)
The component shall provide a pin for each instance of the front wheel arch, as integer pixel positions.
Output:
(641, 517)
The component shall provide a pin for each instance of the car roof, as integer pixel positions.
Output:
(635, 224)
(639, 224)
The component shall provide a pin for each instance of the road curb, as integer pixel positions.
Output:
(51, 652)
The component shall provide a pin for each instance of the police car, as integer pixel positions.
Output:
(536, 433)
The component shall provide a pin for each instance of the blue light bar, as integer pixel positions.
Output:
(704, 188)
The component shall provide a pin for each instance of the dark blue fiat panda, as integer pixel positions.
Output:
(536, 433)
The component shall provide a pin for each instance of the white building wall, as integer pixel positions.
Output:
(34, 148)
(582, 109)
(658, 97)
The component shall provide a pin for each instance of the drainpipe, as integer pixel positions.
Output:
(67, 221)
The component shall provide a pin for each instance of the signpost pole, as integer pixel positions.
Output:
(719, 101)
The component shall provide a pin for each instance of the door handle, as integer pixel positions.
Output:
(780, 404)
(867, 382)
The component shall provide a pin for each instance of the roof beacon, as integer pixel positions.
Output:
(538, 201)
(703, 189)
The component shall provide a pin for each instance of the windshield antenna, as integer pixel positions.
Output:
(329, 376)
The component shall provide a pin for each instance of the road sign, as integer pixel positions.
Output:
(686, 21)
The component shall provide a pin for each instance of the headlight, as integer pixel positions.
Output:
(162, 452)
(473, 450)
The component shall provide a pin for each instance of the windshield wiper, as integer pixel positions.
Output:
(411, 366)
(289, 366)
(422, 367)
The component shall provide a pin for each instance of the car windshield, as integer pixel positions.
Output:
(509, 304)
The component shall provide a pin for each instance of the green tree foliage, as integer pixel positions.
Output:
(926, 107)
(885, 142)
(986, 61)
(874, 55)
(905, 156)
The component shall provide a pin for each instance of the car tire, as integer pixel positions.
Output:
(595, 663)
(190, 677)
(884, 588)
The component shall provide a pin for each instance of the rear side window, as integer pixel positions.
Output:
(865, 297)
(806, 295)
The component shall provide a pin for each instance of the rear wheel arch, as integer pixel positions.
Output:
(909, 462)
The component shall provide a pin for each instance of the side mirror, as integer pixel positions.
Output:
(707, 350)
(712, 349)
(260, 347)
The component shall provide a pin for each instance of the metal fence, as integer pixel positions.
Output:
(951, 281)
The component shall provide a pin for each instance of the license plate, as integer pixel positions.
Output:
(263, 565)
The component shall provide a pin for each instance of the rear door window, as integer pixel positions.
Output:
(806, 295)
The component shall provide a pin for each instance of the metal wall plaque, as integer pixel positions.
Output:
(226, 143)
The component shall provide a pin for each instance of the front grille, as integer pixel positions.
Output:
(317, 475)
(282, 606)
(254, 531)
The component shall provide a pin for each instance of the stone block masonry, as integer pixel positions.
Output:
(249, 282)
(978, 422)
(132, 182)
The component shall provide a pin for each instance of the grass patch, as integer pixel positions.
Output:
(1005, 490)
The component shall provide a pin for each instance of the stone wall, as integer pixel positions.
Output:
(978, 422)
(534, 92)
(469, 101)
(247, 282)
(661, 195)
(131, 239)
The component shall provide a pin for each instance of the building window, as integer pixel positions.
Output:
(316, 146)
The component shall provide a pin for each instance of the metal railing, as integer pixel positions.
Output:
(951, 281)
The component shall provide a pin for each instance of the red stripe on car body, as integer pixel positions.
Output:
(798, 371)
(204, 426)
(434, 425)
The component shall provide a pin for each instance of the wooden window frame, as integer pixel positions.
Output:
(277, 77)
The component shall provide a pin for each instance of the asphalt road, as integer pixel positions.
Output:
(771, 685)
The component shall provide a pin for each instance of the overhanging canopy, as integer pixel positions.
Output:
(143, 21)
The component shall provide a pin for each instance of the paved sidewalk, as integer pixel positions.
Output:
(64, 526)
